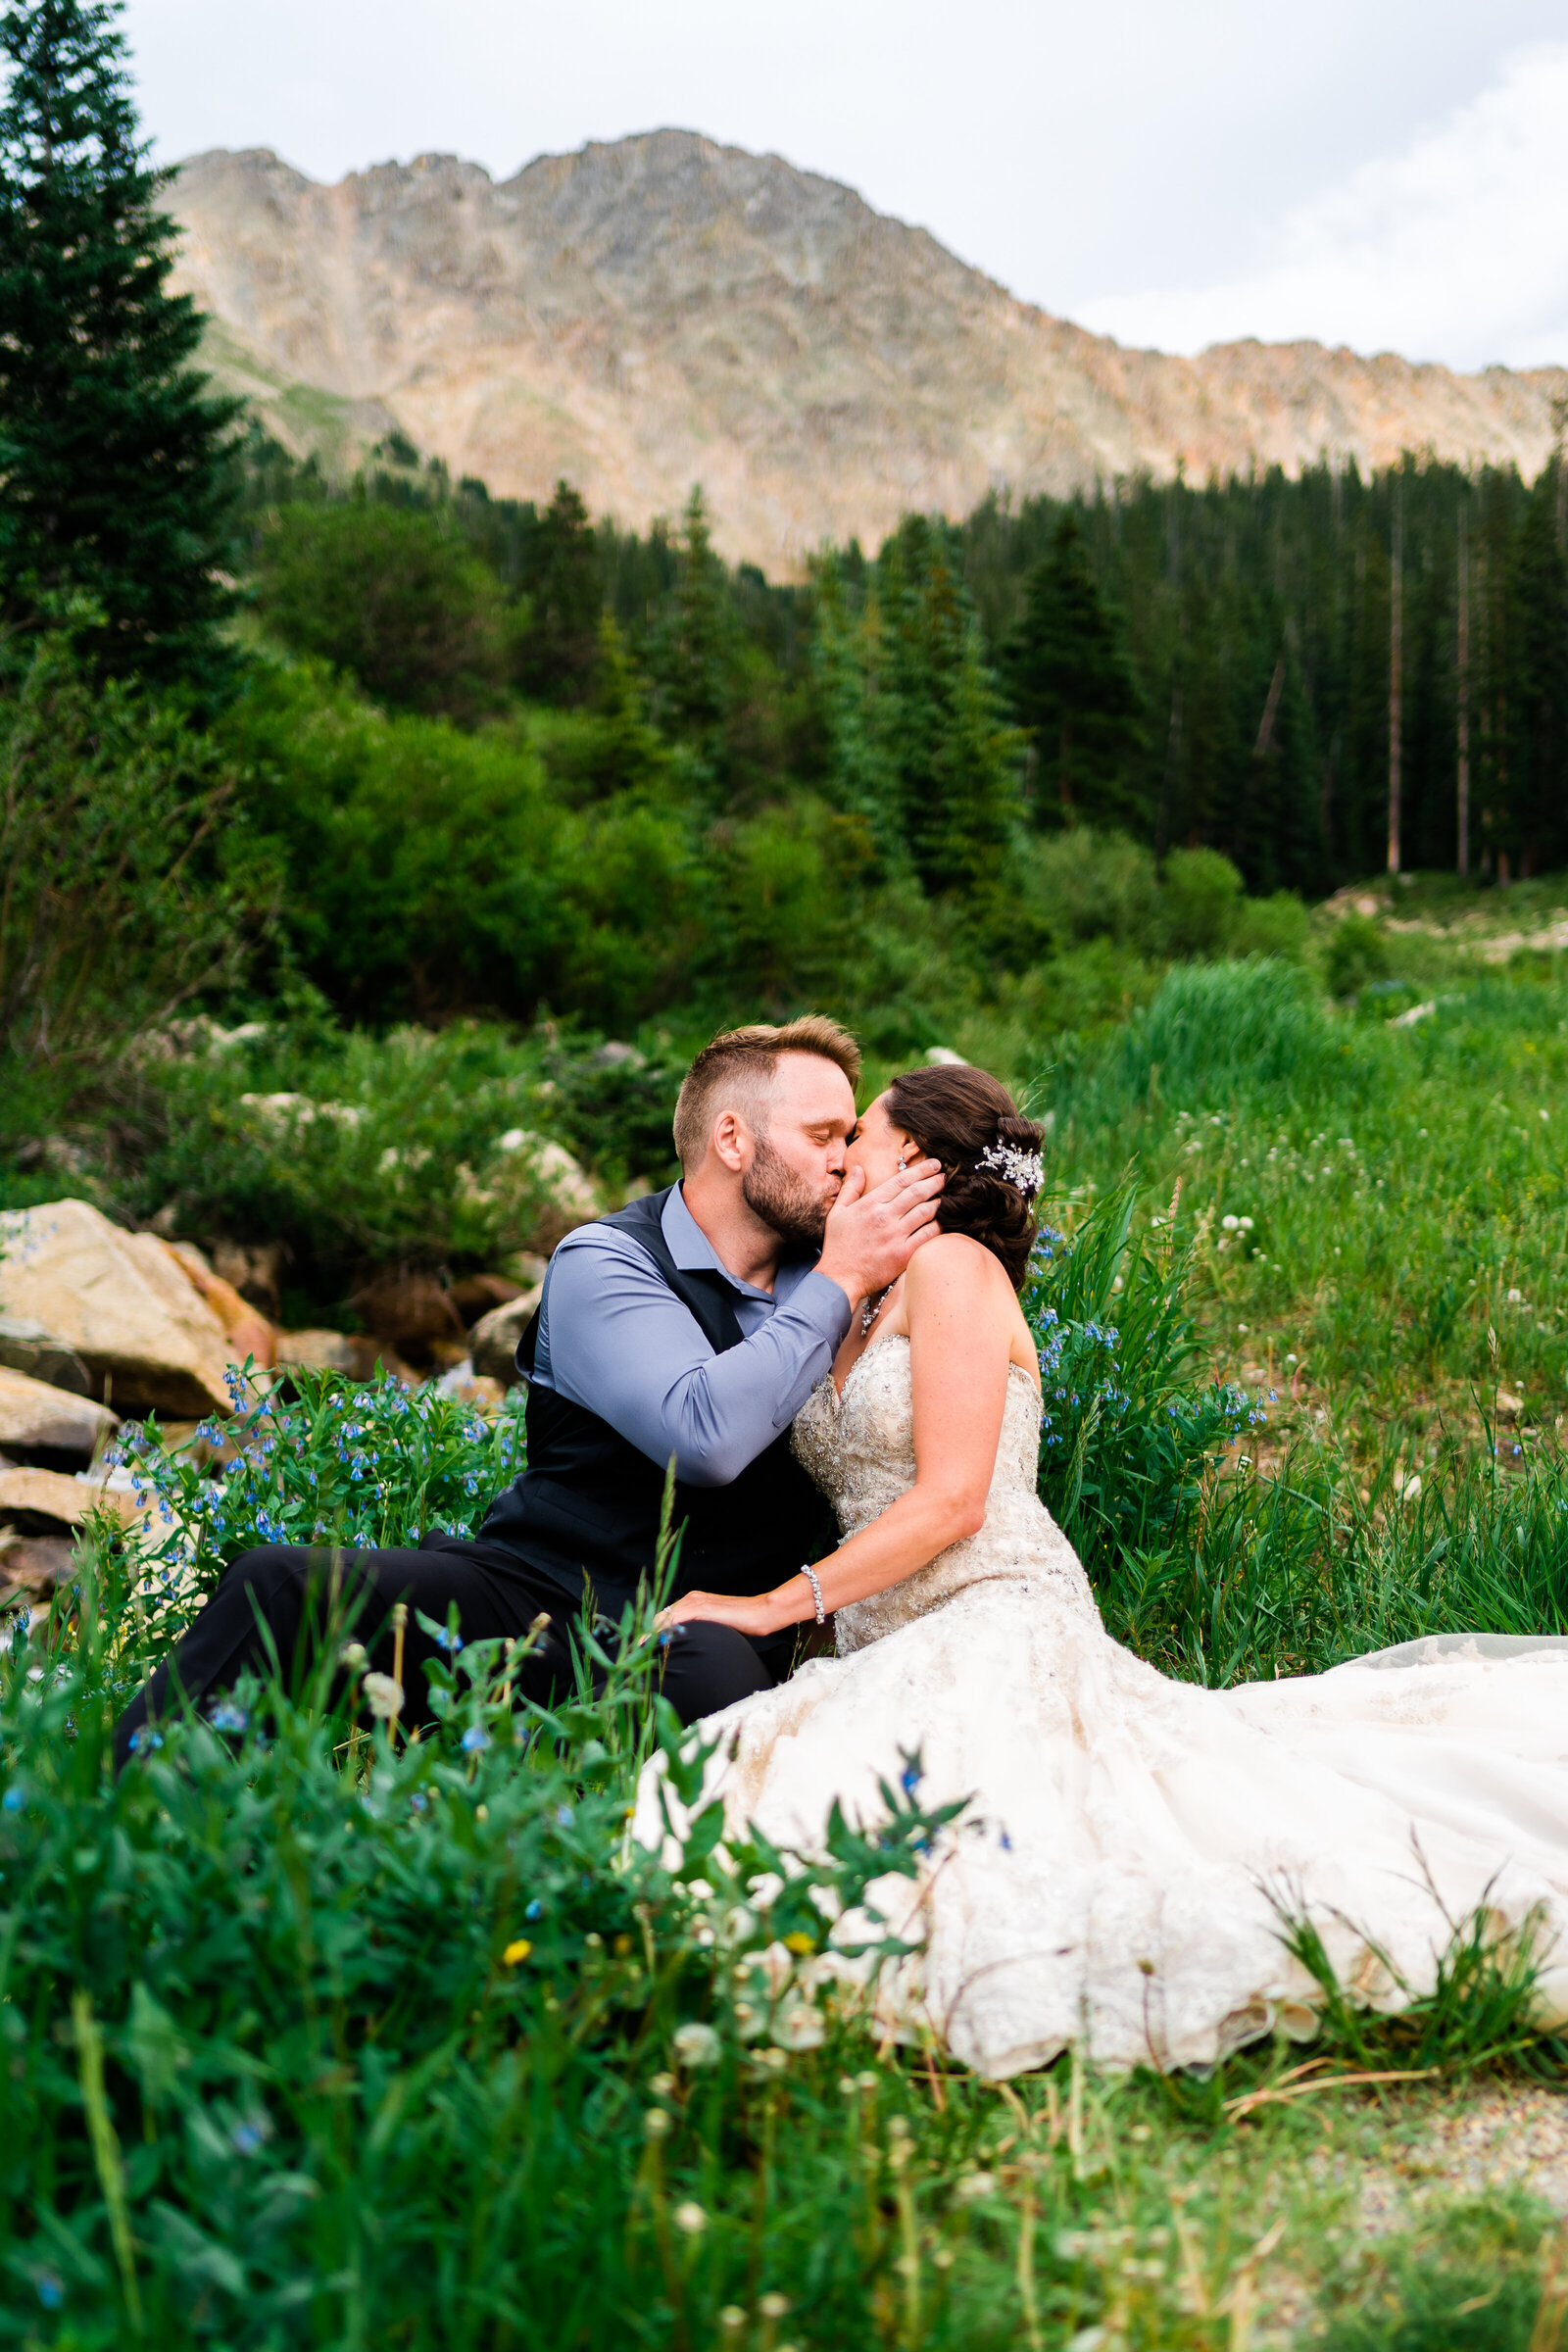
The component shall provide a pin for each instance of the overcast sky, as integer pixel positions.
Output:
(1389, 174)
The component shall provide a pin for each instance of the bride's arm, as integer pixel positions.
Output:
(961, 1313)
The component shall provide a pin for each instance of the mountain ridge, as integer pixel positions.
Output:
(649, 312)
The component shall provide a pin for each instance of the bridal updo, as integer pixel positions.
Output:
(957, 1114)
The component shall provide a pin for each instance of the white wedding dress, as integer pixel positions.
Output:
(1131, 1841)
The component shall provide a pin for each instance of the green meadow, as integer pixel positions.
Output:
(320, 2037)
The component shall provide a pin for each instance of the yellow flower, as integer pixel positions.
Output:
(516, 1951)
(799, 1944)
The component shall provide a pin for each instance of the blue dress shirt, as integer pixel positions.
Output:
(613, 1338)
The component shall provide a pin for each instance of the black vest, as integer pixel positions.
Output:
(589, 1504)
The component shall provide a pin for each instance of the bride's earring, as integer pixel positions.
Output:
(903, 1164)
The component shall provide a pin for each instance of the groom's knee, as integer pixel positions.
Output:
(707, 1667)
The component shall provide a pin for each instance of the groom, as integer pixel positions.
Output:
(691, 1325)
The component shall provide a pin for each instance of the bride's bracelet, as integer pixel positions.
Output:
(811, 1577)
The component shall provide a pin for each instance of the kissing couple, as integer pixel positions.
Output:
(820, 1326)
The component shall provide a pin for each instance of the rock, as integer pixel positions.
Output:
(33, 1564)
(40, 1500)
(281, 1112)
(355, 1354)
(121, 1302)
(1509, 1407)
(37, 1418)
(493, 1340)
(477, 1295)
(527, 1268)
(250, 1336)
(548, 1191)
(411, 1312)
(254, 1269)
(25, 1346)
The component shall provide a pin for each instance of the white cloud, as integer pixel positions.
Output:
(1455, 248)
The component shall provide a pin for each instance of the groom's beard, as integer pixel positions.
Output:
(783, 1200)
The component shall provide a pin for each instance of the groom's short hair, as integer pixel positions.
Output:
(739, 1066)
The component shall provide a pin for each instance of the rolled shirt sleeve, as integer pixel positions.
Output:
(617, 1340)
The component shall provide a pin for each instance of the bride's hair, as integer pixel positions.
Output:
(958, 1114)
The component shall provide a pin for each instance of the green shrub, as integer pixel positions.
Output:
(1279, 925)
(392, 595)
(1080, 885)
(1357, 955)
(1202, 893)
(131, 886)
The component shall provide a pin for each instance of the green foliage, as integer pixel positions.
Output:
(1357, 955)
(356, 1153)
(1072, 682)
(115, 481)
(130, 885)
(1203, 898)
(392, 596)
(560, 653)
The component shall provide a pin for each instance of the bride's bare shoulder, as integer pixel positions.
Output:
(953, 1261)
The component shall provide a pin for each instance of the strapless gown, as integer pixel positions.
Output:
(1130, 1840)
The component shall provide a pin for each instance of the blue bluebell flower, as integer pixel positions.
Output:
(475, 1738)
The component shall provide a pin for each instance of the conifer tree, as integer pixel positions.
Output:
(115, 474)
(1073, 683)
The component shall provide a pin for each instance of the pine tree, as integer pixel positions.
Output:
(1074, 684)
(560, 653)
(115, 479)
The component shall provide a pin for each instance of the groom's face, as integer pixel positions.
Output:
(797, 1164)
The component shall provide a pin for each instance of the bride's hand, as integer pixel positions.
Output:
(750, 1613)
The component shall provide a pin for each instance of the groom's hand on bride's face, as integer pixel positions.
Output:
(872, 1236)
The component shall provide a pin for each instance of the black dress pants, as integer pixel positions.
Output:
(305, 1594)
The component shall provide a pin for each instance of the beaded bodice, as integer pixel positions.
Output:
(859, 1449)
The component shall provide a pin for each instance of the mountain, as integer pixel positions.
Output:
(664, 311)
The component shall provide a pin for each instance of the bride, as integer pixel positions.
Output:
(1131, 1843)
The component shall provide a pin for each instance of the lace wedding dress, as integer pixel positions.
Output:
(1131, 1843)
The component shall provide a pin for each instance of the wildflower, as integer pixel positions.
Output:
(535, 1909)
(14, 1800)
(516, 1951)
(656, 2124)
(143, 1741)
(799, 1945)
(776, 1964)
(384, 1695)
(450, 1640)
(249, 2137)
(565, 1817)
(226, 1717)
(696, 2045)
(799, 2026)
(773, 2306)
(474, 1739)
(971, 2186)
(749, 2019)
(51, 2292)
(690, 2218)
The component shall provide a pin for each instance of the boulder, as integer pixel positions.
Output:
(120, 1303)
(39, 1501)
(546, 1190)
(250, 1336)
(355, 1354)
(256, 1270)
(37, 1418)
(475, 1294)
(25, 1346)
(411, 1313)
(33, 1564)
(493, 1342)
